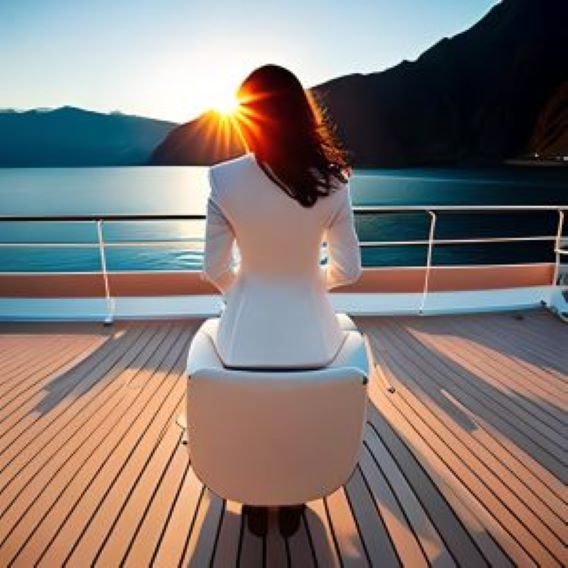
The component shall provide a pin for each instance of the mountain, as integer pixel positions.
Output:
(207, 140)
(550, 136)
(474, 98)
(70, 136)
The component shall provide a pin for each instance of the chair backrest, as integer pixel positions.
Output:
(276, 438)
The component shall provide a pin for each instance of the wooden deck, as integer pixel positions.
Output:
(464, 464)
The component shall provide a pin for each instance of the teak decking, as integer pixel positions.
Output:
(464, 464)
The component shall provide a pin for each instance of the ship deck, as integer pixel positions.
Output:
(463, 464)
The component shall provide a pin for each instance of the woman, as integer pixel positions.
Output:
(278, 202)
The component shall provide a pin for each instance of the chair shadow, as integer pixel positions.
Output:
(242, 548)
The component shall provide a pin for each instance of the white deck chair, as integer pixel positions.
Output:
(274, 438)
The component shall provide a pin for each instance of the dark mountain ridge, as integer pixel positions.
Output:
(70, 136)
(474, 98)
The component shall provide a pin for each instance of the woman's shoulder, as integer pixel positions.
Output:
(339, 198)
(230, 172)
(232, 166)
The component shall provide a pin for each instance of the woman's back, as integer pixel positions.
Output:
(270, 225)
(277, 313)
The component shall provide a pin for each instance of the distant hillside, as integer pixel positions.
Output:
(204, 141)
(474, 98)
(550, 136)
(70, 136)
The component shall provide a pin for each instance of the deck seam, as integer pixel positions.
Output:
(94, 477)
(476, 394)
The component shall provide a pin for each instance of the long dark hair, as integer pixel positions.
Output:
(289, 135)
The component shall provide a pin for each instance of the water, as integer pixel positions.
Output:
(183, 190)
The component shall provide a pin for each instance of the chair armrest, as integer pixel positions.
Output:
(202, 354)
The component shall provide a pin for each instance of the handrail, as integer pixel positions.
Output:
(184, 243)
(431, 210)
(103, 217)
(358, 209)
(454, 208)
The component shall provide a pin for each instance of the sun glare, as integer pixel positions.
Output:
(226, 104)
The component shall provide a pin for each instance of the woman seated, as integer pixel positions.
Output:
(278, 203)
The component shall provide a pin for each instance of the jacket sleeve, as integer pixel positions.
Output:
(344, 256)
(218, 263)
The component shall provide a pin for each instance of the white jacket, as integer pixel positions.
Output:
(277, 310)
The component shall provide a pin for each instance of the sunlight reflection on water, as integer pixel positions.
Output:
(184, 190)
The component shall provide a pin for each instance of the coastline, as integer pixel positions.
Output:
(537, 163)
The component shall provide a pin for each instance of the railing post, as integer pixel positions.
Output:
(428, 261)
(109, 301)
(557, 255)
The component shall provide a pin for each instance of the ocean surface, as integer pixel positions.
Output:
(184, 190)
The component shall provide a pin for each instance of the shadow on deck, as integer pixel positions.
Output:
(463, 464)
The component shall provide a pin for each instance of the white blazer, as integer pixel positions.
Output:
(277, 312)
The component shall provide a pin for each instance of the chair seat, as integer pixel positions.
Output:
(203, 354)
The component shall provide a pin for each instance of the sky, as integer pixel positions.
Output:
(174, 59)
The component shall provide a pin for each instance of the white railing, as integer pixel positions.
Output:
(431, 242)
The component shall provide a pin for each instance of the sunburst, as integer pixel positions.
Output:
(226, 105)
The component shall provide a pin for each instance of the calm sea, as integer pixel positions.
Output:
(183, 190)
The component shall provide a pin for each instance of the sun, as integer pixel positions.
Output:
(225, 104)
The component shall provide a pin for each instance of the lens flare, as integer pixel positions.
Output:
(231, 116)
(226, 105)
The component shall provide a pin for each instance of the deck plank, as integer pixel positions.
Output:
(59, 445)
(180, 524)
(105, 494)
(151, 526)
(47, 406)
(252, 548)
(377, 461)
(539, 338)
(31, 350)
(473, 393)
(483, 530)
(477, 447)
(201, 546)
(321, 534)
(403, 544)
(462, 465)
(345, 530)
(509, 354)
(107, 541)
(300, 546)
(227, 549)
(501, 373)
(276, 545)
(513, 515)
(462, 532)
(508, 404)
(370, 522)
(28, 356)
(34, 379)
(59, 517)
(524, 527)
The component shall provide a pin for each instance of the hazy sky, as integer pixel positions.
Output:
(173, 58)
